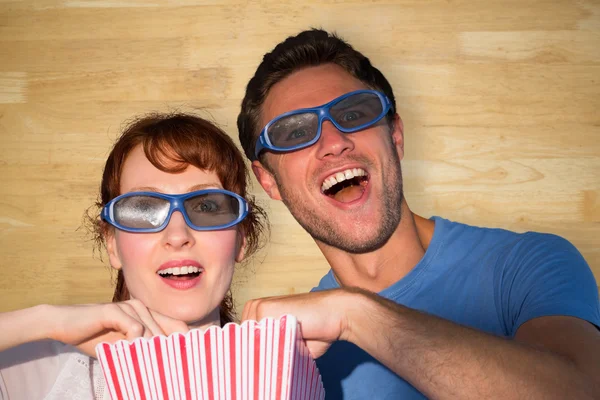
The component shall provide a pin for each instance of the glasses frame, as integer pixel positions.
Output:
(264, 143)
(176, 203)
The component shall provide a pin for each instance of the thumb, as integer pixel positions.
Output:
(317, 348)
(89, 346)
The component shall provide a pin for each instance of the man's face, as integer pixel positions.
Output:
(346, 189)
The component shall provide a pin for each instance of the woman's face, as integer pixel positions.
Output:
(193, 298)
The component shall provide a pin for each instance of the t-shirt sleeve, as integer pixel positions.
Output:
(545, 275)
(327, 282)
(29, 371)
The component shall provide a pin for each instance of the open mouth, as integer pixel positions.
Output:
(180, 273)
(346, 186)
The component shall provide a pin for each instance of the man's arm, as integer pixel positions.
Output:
(550, 357)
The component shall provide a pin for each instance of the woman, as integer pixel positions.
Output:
(174, 220)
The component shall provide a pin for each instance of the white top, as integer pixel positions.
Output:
(50, 370)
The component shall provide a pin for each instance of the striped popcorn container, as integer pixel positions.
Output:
(253, 361)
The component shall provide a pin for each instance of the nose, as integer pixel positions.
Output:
(178, 234)
(332, 141)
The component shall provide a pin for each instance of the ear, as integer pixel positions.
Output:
(398, 135)
(266, 180)
(111, 249)
(242, 246)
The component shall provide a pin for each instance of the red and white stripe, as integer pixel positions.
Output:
(253, 361)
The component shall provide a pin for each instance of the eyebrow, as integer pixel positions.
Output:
(191, 189)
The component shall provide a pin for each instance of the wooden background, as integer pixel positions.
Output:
(500, 99)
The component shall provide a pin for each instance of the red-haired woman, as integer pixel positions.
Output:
(175, 217)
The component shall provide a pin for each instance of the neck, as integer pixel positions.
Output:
(379, 269)
(212, 319)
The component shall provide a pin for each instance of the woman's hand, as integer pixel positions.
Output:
(85, 326)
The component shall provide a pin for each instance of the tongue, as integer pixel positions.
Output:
(350, 193)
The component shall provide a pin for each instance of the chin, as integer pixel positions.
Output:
(198, 319)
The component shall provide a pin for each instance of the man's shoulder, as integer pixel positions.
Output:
(466, 244)
(452, 230)
(531, 251)
(459, 241)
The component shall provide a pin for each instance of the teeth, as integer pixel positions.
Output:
(180, 270)
(341, 176)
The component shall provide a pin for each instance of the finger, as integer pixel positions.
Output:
(138, 314)
(152, 327)
(249, 312)
(246, 311)
(169, 325)
(273, 307)
(123, 320)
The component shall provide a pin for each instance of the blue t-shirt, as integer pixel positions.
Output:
(489, 279)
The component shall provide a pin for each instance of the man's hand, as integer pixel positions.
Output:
(323, 316)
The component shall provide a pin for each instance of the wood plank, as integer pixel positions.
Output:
(499, 100)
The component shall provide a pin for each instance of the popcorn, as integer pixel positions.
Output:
(253, 361)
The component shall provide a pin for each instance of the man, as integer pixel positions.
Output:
(414, 307)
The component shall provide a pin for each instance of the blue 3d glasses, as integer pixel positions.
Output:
(203, 210)
(297, 129)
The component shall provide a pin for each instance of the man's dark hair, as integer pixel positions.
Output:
(309, 48)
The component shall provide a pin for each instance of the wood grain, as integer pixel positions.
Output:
(500, 103)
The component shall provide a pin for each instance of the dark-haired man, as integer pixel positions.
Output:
(414, 307)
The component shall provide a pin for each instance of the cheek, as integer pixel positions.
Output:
(290, 168)
(218, 248)
(217, 251)
(134, 248)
